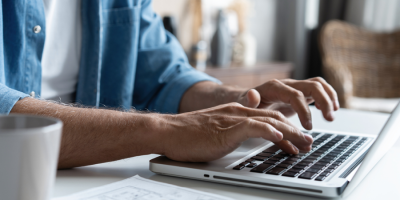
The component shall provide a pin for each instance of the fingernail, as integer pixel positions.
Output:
(308, 138)
(279, 135)
(308, 125)
(337, 104)
(331, 115)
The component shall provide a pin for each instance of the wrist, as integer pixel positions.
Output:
(150, 131)
(228, 94)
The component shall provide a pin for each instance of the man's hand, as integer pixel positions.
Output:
(293, 96)
(212, 133)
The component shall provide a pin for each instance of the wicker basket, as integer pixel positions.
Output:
(360, 63)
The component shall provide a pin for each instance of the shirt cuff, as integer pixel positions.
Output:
(8, 98)
(169, 98)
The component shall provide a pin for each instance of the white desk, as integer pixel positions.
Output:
(383, 182)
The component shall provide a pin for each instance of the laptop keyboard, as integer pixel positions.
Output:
(328, 152)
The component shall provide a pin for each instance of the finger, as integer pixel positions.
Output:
(329, 90)
(250, 99)
(290, 132)
(318, 93)
(253, 112)
(287, 147)
(296, 99)
(250, 128)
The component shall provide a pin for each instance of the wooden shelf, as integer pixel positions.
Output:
(249, 77)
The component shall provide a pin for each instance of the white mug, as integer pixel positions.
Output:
(29, 147)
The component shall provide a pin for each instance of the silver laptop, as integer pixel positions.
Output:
(337, 163)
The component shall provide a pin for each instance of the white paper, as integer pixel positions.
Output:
(136, 188)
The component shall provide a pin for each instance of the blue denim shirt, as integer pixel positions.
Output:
(128, 59)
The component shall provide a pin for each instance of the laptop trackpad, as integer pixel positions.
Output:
(250, 144)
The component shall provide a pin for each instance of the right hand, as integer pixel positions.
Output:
(210, 134)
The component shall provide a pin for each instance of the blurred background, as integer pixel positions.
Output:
(353, 44)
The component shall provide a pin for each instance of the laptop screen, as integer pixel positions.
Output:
(385, 140)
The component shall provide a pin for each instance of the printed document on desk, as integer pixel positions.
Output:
(138, 188)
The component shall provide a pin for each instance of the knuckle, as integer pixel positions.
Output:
(271, 121)
(249, 121)
(317, 85)
(280, 116)
(319, 79)
(297, 94)
(277, 115)
(274, 82)
(293, 130)
(235, 105)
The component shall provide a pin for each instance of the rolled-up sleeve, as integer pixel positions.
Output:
(8, 98)
(163, 73)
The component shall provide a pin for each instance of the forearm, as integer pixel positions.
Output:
(93, 136)
(208, 94)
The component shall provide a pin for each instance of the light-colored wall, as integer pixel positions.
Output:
(262, 22)
(375, 15)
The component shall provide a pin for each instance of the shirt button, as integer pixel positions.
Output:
(37, 29)
(32, 94)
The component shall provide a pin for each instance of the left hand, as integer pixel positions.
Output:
(293, 96)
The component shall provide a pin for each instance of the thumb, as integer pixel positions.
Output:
(250, 99)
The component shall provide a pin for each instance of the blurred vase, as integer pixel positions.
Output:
(198, 57)
(245, 49)
(221, 43)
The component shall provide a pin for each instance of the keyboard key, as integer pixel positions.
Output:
(265, 154)
(244, 163)
(275, 171)
(320, 178)
(271, 162)
(312, 170)
(279, 156)
(325, 173)
(309, 160)
(250, 160)
(333, 167)
(238, 167)
(284, 153)
(289, 162)
(325, 160)
(315, 134)
(294, 170)
(283, 165)
(251, 165)
(293, 159)
(271, 149)
(329, 170)
(312, 157)
(317, 153)
(317, 167)
(306, 175)
(322, 164)
(296, 156)
(289, 174)
(329, 157)
(337, 163)
(261, 168)
(302, 163)
(274, 159)
(299, 167)
(260, 158)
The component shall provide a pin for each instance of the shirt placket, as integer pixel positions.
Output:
(34, 43)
